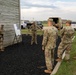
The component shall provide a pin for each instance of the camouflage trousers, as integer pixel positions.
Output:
(1, 43)
(34, 38)
(49, 58)
(67, 48)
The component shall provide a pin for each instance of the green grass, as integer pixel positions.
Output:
(44, 24)
(39, 32)
(26, 31)
(69, 68)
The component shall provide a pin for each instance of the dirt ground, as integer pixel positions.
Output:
(23, 58)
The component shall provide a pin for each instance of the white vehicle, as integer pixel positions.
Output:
(73, 24)
(23, 26)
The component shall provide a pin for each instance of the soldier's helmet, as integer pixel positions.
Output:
(68, 21)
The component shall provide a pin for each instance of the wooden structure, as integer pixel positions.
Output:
(9, 15)
(1, 38)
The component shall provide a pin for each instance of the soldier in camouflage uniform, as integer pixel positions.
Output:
(1, 38)
(34, 28)
(67, 34)
(49, 44)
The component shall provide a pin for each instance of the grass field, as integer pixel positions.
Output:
(69, 68)
(26, 31)
(66, 68)
(39, 32)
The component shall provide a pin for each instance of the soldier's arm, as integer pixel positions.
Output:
(38, 27)
(62, 32)
(57, 33)
(30, 26)
(73, 33)
(45, 35)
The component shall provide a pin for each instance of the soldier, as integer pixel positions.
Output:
(67, 34)
(1, 38)
(49, 44)
(34, 28)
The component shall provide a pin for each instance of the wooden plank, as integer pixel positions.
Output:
(73, 38)
(57, 65)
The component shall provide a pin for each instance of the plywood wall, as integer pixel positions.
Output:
(9, 15)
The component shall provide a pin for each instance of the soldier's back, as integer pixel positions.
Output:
(52, 36)
(68, 34)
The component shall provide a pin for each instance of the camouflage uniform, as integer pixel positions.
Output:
(66, 41)
(49, 44)
(34, 28)
(1, 38)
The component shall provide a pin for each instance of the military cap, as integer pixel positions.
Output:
(50, 20)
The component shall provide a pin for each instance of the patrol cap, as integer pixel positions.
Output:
(51, 20)
(68, 21)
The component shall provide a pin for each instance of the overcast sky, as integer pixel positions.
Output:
(43, 9)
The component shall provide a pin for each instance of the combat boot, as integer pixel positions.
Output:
(2, 49)
(58, 59)
(48, 71)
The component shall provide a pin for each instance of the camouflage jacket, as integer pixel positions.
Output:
(67, 34)
(49, 37)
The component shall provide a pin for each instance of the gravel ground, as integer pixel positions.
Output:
(23, 58)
